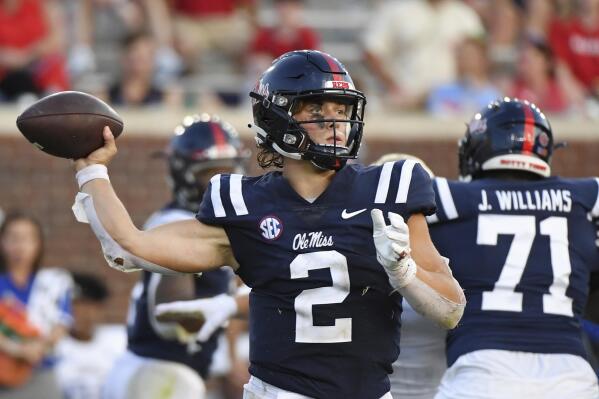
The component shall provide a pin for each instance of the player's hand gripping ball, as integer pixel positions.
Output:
(69, 124)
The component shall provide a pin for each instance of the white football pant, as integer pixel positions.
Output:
(500, 374)
(136, 377)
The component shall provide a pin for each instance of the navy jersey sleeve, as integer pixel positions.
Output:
(421, 197)
(446, 207)
(223, 201)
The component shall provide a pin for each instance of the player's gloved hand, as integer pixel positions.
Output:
(392, 244)
(215, 311)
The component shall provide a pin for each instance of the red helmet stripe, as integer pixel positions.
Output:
(218, 134)
(529, 130)
(333, 66)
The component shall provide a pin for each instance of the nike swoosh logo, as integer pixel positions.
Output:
(346, 215)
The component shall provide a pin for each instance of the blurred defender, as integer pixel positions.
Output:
(163, 357)
(522, 245)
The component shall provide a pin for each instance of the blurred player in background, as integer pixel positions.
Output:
(421, 362)
(522, 244)
(164, 356)
(86, 355)
(324, 311)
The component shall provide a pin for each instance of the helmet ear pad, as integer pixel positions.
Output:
(283, 131)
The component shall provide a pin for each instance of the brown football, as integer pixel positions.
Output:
(68, 124)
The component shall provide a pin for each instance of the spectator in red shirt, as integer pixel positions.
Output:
(536, 80)
(31, 58)
(287, 34)
(575, 42)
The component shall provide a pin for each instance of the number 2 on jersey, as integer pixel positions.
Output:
(305, 330)
(523, 228)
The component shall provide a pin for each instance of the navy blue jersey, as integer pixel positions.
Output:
(523, 252)
(322, 320)
(144, 339)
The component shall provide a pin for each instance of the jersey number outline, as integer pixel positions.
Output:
(523, 228)
(305, 330)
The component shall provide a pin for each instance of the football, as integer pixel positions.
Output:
(68, 124)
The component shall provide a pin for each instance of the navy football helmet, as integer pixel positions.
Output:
(201, 142)
(508, 134)
(298, 76)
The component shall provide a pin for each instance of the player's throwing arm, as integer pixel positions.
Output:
(186, 246)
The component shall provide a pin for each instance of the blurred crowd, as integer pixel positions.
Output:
(447, 57)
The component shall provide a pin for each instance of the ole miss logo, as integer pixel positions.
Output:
(271, 227)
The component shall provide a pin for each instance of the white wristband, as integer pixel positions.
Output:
(91, 172)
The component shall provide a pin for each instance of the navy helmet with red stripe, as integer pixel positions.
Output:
(295, 77)
(509, 134)
(201, 142)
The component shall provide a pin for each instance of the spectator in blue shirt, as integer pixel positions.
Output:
(472, 90)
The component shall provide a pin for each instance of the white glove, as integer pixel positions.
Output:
(393, 248)
(215, 311)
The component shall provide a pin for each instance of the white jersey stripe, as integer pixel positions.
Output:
(404, 181)
(237, 195)
(595, 211)
(432, 219)
(384, 181)
(217, 203)
(446, 199)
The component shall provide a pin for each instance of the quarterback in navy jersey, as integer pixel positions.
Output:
(201, 147)
(522, 245)
(324, 311)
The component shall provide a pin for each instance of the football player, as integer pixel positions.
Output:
(327, 278)
(522, 245)
(163, 355)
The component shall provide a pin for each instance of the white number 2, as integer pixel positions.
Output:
(305, 330)
(523, 228)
